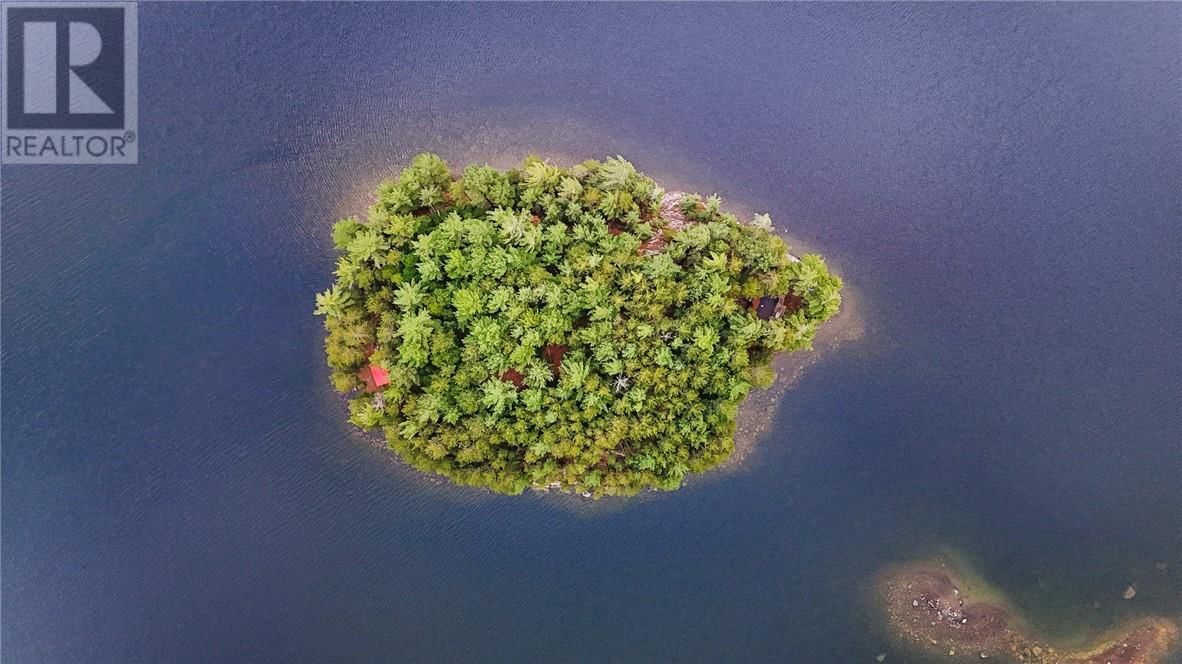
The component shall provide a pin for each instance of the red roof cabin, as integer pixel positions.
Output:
(374, 377)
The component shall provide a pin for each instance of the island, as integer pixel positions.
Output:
(574, 329)
(936, 606)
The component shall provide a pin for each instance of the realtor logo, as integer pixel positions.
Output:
(70, 83)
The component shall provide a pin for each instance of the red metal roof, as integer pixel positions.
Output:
(374, 377)
(380, 376)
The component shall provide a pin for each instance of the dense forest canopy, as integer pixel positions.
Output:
(577, 328)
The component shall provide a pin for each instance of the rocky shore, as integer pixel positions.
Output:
(931, 606)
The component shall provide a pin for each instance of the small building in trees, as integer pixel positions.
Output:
(770, 306)
(373, 377)
(765, 307)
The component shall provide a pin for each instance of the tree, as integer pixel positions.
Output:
(332, 303)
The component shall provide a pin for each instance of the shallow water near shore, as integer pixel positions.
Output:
(999, 183)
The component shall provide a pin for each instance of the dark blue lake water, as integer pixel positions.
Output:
(1000, 184)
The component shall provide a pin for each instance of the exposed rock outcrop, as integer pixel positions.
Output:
(929, 606)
